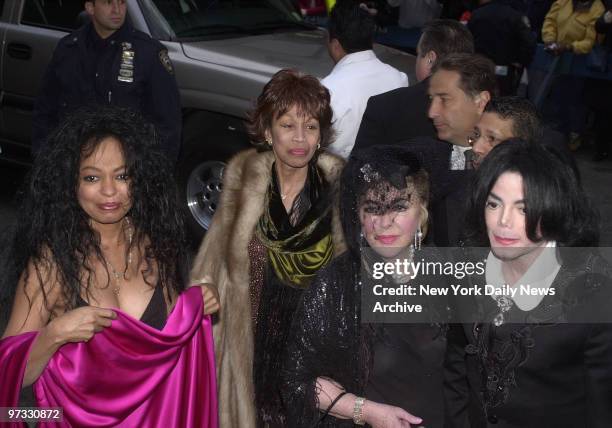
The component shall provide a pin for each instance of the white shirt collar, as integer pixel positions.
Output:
(540, 276)
(356, 57)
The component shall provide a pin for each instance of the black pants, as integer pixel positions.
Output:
(509, 83)
(598, 96)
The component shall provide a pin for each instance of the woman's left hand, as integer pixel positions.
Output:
(210, 296)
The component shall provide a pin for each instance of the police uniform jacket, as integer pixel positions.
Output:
(128, 69)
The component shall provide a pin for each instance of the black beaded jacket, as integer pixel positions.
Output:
(396, 364)
(542, 368)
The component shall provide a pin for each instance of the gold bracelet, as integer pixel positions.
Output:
(358, 411)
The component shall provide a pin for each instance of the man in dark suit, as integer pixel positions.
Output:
(401, 114)
(460, 87)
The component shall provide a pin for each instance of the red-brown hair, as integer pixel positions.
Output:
(286, 89)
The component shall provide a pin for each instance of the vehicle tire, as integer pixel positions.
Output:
(209, 141)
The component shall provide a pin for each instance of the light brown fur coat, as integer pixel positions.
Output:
(223, 260)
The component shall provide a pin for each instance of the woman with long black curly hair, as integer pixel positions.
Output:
(103, 231)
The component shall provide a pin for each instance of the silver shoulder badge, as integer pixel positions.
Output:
(126, 67)
(165, 60)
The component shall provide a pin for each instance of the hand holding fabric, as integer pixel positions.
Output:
(210, 297)
(128, 375)
(79, 325)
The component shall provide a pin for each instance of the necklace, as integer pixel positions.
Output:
(109, 265)
(285, 195)
(291, 192)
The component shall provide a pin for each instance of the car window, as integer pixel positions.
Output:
(200, 18)
(56, 14)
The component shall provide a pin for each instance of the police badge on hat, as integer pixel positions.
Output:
(126, 68)
(165, 60)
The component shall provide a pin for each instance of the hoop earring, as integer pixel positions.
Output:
(418, 237)
(319, 146)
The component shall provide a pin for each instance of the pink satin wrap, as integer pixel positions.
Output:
(129, 375)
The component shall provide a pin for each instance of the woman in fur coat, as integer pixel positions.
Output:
(273, 231)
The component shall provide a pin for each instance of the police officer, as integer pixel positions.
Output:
(107, 61)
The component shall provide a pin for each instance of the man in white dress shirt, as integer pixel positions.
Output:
(357, 75)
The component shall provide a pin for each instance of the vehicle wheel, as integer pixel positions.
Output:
(203, 190)
(210, 140)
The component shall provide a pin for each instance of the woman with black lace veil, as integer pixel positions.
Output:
(341, 369)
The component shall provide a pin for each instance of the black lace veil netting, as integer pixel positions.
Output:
(327, 336)
(378, 175)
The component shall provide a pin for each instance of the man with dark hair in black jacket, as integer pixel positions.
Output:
(401, 114)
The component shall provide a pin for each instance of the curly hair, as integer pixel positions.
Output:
(286, 89)
(57, 233)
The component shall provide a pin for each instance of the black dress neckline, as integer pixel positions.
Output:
(154, 315)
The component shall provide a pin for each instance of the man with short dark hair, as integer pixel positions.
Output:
(357, 75)
(108, 62)
(504, 118)
(515, 117)
(460, 87)
(401, 114)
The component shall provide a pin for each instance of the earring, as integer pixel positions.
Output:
(269, 141)
(319, 146)
(418, 237)
(429, 61)
(362, 241)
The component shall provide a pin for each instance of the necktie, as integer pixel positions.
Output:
(457, 161)
(461, 159)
